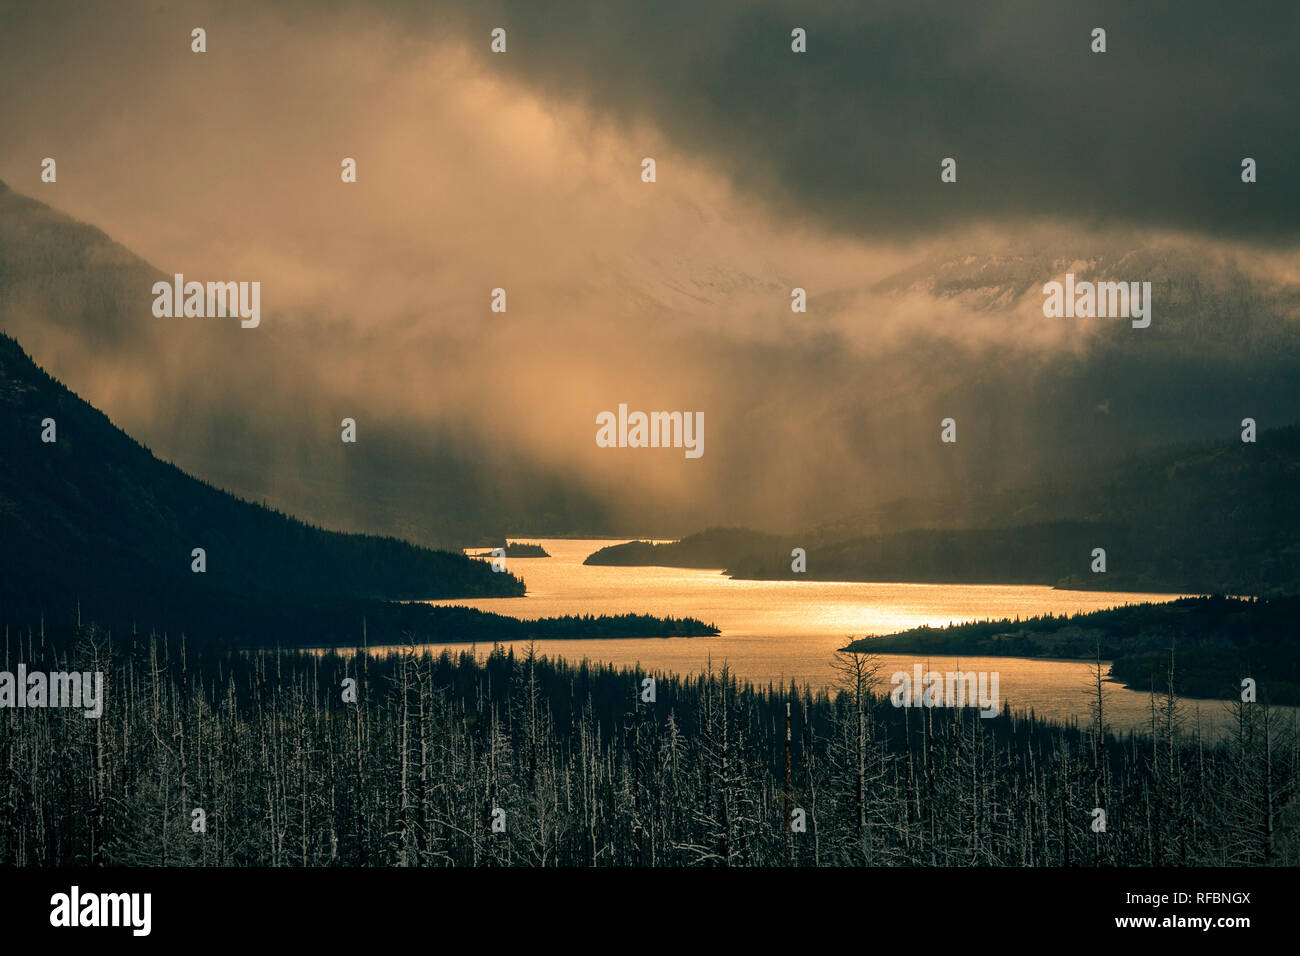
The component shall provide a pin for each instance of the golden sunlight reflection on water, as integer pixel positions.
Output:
(778, 631)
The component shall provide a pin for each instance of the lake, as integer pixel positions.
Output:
(778, 631)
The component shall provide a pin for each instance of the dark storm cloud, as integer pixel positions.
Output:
(851, 134)
(522, 171)
(1152, 132)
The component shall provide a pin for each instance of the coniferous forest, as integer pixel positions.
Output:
(208, 757)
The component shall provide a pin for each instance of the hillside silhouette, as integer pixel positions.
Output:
(1213, 643)
(1208, 517)
(93, 524)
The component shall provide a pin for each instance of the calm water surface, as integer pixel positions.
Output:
(778, 631)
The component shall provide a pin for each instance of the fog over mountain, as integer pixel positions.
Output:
(479, 171)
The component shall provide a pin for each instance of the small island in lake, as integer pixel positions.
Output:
(517, 549)
(525, 549)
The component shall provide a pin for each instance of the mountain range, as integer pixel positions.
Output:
(1210, 517)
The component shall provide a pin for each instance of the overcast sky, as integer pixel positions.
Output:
(522, 171)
